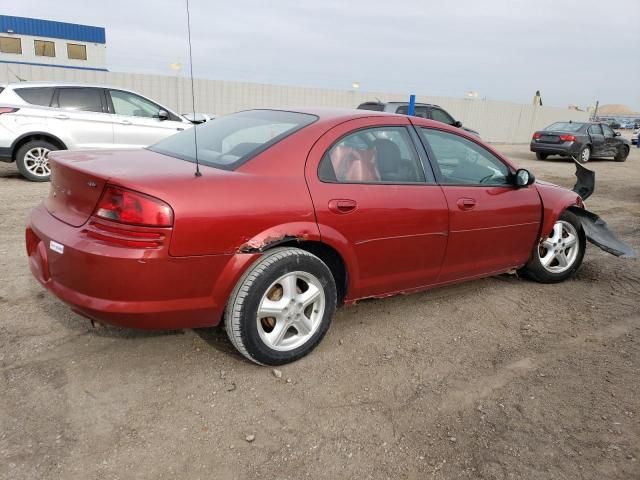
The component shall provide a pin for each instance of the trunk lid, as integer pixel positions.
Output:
(78, 178)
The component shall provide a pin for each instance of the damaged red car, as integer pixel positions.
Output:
(291, 214)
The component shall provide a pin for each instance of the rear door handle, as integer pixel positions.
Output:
(62, 116)
(342, 205)
(466, 203)
(126, 122)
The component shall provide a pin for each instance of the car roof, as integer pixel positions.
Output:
(400, 103)
(30, 84)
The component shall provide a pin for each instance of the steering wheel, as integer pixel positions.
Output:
(488, 177)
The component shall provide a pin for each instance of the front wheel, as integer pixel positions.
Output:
(281, 307)
(622, 154)
(558, 256)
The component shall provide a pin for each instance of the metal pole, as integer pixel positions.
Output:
(412, 105)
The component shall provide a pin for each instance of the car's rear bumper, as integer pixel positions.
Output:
(565, 148)
(137, 288)
(6, 154)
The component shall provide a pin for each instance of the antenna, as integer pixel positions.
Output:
(20, 79)
(193, 94)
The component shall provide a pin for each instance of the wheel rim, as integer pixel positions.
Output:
(36, 161)
(584, 156)
(559, 251)
(291, 311)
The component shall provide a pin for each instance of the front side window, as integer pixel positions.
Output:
(373, 155)
(463, 162)
(441, 116)
(44, 48)
(10, 45)
(36, 96)
(132, 105)
(81, 99)
(419, 111)
(76, 51)
(228, 142)
(607, 131)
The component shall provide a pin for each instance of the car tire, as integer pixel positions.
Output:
(584, 155)
(32, 160)
(541, 156)
(623, 153)
(547, 266)
(269, 319)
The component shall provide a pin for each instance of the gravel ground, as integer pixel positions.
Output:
(499, 378)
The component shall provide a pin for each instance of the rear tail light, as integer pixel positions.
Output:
(536, 136)
(123, 237)
(8, 110)
(567, 138)
(133, 208)
(31, 240)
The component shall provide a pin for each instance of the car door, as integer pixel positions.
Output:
(84, 116)
(137, 122)
(372, 195)
(493, 225)
(597, 140)
(610, 141)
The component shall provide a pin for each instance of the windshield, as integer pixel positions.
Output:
(565, 126)
(228, 142)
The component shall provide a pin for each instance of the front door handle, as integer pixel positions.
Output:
(62, 116)
(126, 122)
(342, 205)
(466, 203)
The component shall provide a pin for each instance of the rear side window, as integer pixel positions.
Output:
(595, 129)
(81, 99)
(419, 111)
(36, 96)
(373, 155)
(228, 142)
(376, 107)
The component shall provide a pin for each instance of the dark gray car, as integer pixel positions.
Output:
(424, 110)
(580, 140)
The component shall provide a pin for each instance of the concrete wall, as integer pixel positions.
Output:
(96, 53)
(499, 122)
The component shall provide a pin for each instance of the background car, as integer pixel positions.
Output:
(580, 140)
(293, 213)
(36, 118)
(634, 136)
(422, 110)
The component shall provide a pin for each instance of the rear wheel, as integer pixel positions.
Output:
(541, 156)
(282, 307)
(32, 160)
(623, 153)
(558, 256)
(584, 155)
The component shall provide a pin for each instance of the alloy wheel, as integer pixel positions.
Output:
(291, 311)
(36, 161)
(558, 252)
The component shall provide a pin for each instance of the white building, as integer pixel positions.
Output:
(46, 43)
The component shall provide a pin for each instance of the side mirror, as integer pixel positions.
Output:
(617, 134)
(524, 177)
(457, 123)
(163, 115)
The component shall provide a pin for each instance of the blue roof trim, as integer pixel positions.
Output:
(57, 66)
(51, 29)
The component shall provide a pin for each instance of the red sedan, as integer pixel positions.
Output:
(293, 214)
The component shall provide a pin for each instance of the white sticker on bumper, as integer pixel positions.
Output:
(56, 247)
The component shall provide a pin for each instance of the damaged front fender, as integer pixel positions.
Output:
(598, 233)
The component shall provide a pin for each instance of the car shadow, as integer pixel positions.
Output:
(217, 338)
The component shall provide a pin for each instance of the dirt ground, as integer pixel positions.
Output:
(499, 378)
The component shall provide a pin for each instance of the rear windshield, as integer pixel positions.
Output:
(565, 126)
(376, 107)
(36, 95)
(228, 142)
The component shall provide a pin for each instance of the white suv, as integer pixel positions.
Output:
(36, 118)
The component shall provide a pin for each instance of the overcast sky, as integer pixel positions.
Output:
(573, 51)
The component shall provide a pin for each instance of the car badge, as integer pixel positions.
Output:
(92, 184)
